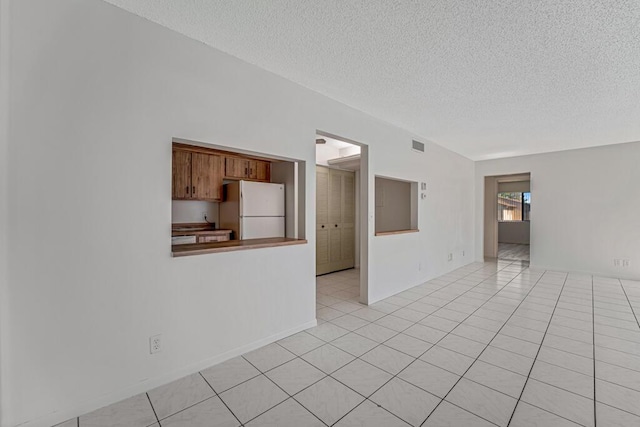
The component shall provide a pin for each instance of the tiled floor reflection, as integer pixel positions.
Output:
(513, 252)
(490, 344)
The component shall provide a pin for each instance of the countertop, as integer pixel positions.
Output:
(232, 245)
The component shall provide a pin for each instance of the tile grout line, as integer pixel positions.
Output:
(432, 344)
(593, 327)
(460, 322)
(414, 323)
(218, 396)
(329, 342)
(629, 302)
(283, 390)
(538, 352)
(486, 346)
(152, 408)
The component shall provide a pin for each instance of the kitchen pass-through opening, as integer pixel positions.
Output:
(225, 199)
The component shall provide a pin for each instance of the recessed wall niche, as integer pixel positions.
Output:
(396, 206)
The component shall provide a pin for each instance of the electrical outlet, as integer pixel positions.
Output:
(625, 263)
(616, 262)
(462, 253)
(450, 258)
(204, 216)
(155, 344)
(419, 266)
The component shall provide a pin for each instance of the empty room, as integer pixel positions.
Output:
(317, 213)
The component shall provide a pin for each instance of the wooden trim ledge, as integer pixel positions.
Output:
(232, 245)
(389, 233)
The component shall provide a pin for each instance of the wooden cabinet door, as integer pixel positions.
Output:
(252, 169)
(206, 176)
(236, 167)
(262, 171)
(259, 170)
(181, 175)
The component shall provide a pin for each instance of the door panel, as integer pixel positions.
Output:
(335, 197)
(335, 245)
(181, 182)
(335, 220)
(322, 248)
(322, 196)
(349, 204)
(348, 245)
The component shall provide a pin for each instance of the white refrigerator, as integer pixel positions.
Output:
(253, 210)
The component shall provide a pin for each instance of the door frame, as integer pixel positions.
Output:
(362, 205)
(490, 212)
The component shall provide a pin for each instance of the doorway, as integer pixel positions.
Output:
(341, 225)
(507, 217)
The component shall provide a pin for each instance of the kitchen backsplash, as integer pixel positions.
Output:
(188, 211)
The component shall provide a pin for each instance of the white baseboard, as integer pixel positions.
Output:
(93, 404)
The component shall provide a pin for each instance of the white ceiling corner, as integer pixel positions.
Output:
(483, 78)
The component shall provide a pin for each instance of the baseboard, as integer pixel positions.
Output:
(615, 275)
(420, 282)
(93, 404)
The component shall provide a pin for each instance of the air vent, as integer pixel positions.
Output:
(418, 146)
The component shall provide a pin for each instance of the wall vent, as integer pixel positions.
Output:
(418, 146)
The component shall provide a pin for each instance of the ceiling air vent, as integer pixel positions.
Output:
(418, 146)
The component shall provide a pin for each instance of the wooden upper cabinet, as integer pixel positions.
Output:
(240, 168)
(236, 167)
(198, 172)
(261, 171)
(196, 176)
(206, 176)
(181, 176)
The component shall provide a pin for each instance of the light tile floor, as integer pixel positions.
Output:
(488, 344)
(513, 252)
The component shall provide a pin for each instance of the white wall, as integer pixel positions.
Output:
(352, 150)
(324, 152)
(4, 207)
(97, 94)
(584, 207)
(445, 217)
(190, 211)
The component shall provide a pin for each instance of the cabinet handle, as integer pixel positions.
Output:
(336, 225)
(246, 171)
(323, 226)
(187, 189)
(193, 190)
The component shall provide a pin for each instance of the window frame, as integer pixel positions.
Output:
(522, 203)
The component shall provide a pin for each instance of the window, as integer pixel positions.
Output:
(514, 206)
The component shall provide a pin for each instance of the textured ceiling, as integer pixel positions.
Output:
(483, 78)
